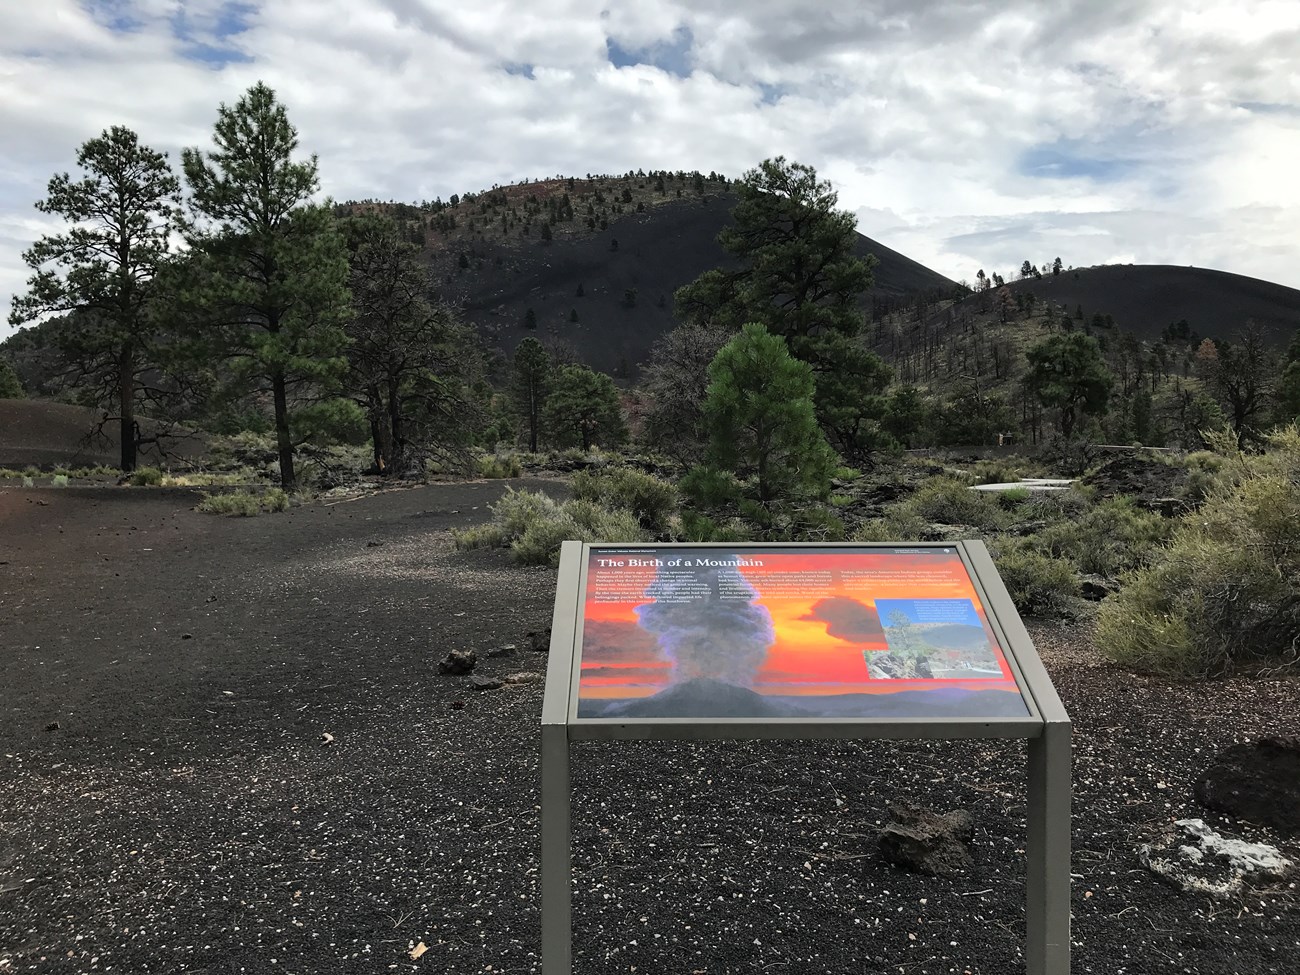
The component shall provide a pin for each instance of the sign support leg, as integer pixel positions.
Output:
(556, 868)
(1047, 886)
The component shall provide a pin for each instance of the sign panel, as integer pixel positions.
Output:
(772, 633)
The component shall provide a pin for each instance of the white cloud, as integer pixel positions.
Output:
(966, 135)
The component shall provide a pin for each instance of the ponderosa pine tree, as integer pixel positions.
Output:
(123, 211)
(407, 356)
(270, 268)
(582, 409)
(761, 421)
(10, 387)
(530, 385)
(1067, 373)
(799, 276)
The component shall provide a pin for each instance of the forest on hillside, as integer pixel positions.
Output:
(224, 300)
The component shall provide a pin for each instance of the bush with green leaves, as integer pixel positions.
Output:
(1056, 505)
(59, 480)
(1113, 537)
(1225, 594)
(533, 525)
(245, 504)
(238, 504)
(995, 471)
(947, 501)
(496, 466)
(1039, 584)
(146, 477)
(651, 499)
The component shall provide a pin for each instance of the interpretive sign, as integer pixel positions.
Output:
(696, 641)
(778, 633)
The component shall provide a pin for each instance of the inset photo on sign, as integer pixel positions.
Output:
(770, 633)
(933, 639)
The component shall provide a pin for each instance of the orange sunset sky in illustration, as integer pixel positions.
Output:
(814, 652)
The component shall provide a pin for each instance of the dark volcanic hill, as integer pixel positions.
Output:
(1145, 298)
(627, 270)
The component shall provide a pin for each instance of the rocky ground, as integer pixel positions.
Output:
(168, 802)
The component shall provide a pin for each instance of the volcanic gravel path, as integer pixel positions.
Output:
(186, 815)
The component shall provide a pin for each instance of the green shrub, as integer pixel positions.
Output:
(1056, 505)
(1225, 593)
(1039, 585)
(533, 525)
(710, 487)
(244, 449)
(1012, 498)
(817, 525)
(896, 526)
(99, 470)
(945, 501)
(1204, 469)
(146, 477)
(518, 509)
(31, 471)
(499, 466)
(238, 504)
(540, 544)
(28, 482)
(1113, 537)
(993, 472)
(651, 499)
(60, 480)
(276, 499)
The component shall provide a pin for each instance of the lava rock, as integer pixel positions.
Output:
(539, 641)
(1095, 587)
(523, 677)
(1259, 782)
(458, 662)
(924, 841)
(1192, 857)
(485, 683)
(508, 650)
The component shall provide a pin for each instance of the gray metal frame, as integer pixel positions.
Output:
(1046, 730)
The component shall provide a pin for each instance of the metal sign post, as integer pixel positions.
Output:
(944, 656)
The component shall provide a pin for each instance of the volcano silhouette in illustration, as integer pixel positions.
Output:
(702, 697)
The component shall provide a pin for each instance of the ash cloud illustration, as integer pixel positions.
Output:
(707, 625)
(847, 619)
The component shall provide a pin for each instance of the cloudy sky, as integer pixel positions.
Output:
(965, 134)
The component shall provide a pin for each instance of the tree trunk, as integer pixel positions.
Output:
(397, 449)
(126, 406)
(285, 442)
(534, 413)
(379, 433)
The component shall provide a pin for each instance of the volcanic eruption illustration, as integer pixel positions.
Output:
(707, 624)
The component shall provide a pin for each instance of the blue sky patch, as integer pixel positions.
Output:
(116, 15)
(1270, 108)
(1066, 161)
(205, 41)
(522, 70)
(671, 55)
